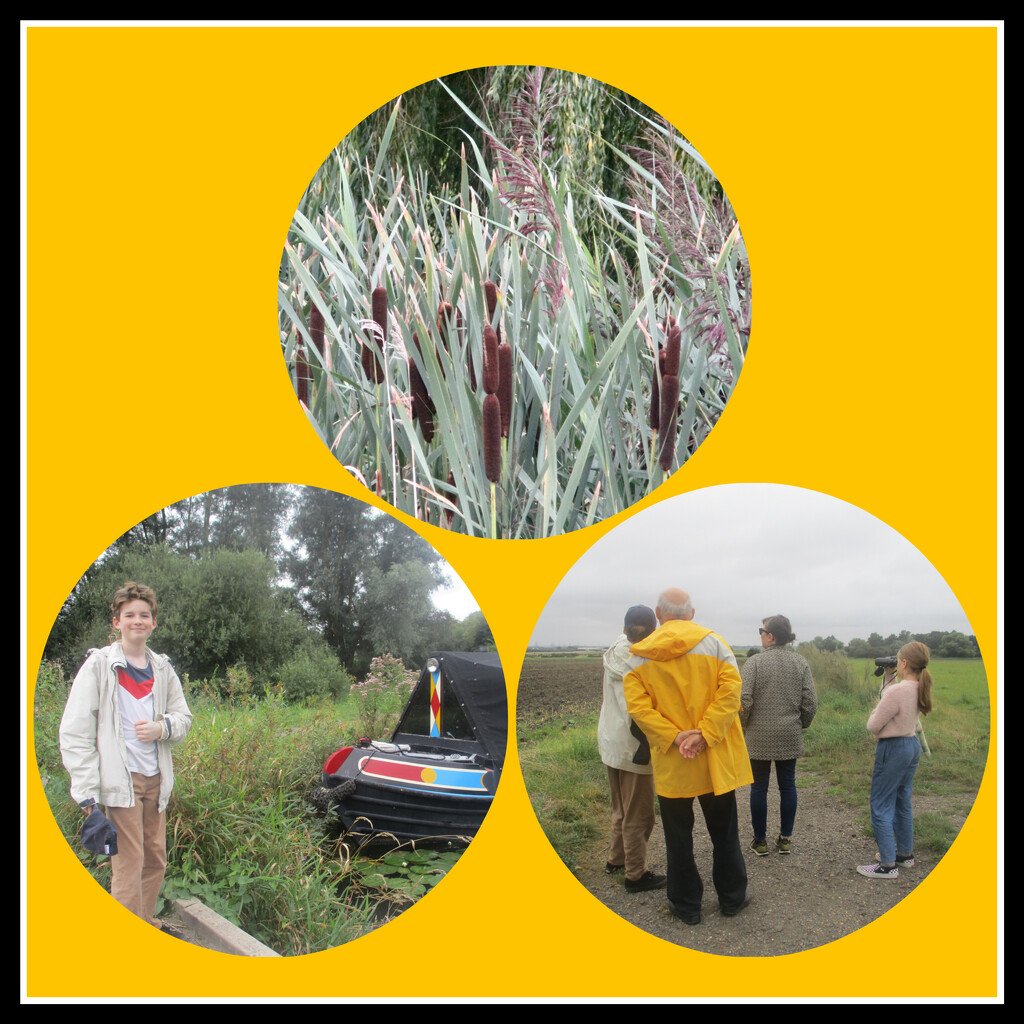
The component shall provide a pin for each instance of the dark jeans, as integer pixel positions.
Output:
(729, 871)
(785, 777)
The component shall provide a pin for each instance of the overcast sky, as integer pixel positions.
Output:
(746, 551)
(456, 598)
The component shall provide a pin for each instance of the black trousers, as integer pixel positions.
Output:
(729, 871)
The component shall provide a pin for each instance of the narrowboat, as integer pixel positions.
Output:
(435, 777)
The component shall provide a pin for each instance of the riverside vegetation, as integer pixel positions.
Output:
(242, 836)
(568, 785)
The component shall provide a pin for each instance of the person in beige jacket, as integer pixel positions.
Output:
(126, 709)
(626, 755)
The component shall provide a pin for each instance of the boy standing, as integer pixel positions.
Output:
(125, 711)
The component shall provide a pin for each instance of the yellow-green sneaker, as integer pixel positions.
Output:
(760, 847)
(782, 844)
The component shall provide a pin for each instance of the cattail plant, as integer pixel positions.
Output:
(669, 396)
(316, 328)
(373, 353)
(422, 407)
(492, 418)
(303, 376)
(491, 294)
(505, 370)
(656, 375)
(667, 426)
(491, 367)
(492, 438)
(492, 451)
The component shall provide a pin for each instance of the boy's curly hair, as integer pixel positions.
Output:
(133, 592)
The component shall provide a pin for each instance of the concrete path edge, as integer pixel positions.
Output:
(220, 933)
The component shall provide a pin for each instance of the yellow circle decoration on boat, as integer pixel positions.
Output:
(428, 775)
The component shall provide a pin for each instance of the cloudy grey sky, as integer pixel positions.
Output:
(456, 598)
(746, 551)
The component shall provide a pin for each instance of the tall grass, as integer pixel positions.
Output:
(241, 835)
(583, 313)
(568, 787)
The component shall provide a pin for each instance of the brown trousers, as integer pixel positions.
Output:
(632, 820)
(141, 858)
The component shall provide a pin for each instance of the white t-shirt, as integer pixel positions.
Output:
(135, 700)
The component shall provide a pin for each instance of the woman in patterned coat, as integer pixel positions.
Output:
(778, 702)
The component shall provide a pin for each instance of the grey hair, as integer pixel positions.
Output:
(670, 610)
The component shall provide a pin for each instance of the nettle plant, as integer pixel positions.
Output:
(477, 362)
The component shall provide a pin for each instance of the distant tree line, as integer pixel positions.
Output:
(943, 644)
(269, 584)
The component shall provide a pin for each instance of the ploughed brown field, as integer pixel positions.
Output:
(553, 685)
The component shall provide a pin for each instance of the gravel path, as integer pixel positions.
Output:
(801, 900)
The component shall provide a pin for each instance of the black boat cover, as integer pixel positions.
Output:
(478, 683)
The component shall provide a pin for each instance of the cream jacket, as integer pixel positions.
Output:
(690, 681)
(92, 738)
(621, 745)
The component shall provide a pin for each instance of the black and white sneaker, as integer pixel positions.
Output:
(877, 870)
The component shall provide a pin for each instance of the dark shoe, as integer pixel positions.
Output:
(610, 868)
(746, 902)
(647, 881)
(690, 919)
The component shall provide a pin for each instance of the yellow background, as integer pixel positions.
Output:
(164, 166)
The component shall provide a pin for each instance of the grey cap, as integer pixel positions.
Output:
(641, 615)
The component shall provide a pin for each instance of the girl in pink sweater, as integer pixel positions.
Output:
(893, 722)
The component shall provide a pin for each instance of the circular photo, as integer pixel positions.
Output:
(269, 697)
(763, 742)
(513, 301)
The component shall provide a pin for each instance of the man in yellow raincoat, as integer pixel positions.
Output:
(686, 699)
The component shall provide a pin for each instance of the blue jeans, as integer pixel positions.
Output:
(785, 777)
(892, 784)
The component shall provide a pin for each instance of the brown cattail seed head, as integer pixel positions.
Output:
(444, 319)
(491, 369)
(667, 429)
(492, 438)
(655, 417)
(380, 308)
(422, 406)
(505, 386)
(302, 374)
(316, 328)
(373, 356)
(675, 333)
